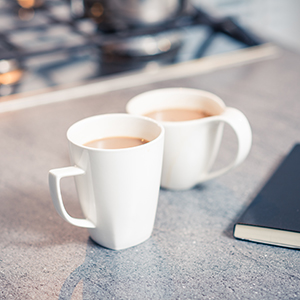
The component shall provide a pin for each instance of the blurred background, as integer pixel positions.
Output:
(47, 43)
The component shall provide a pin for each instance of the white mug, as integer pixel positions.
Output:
(118, 189)
(191, 147)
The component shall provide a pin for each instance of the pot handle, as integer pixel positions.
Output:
(239, 123)
(55, 176)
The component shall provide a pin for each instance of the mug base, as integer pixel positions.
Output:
(114, 245)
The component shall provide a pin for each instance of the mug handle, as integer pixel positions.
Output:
(55, 176)
(239, 123)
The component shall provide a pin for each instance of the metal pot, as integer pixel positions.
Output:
(121, 14)
(138, 52)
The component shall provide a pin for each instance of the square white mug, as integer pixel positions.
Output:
(118, 189)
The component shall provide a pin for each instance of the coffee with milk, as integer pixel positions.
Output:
(116, 142)
(177, 114)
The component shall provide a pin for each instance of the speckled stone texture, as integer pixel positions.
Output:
(192, 253)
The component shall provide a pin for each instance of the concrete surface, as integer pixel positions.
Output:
(192, 253)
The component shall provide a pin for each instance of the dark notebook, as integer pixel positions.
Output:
(274, 215)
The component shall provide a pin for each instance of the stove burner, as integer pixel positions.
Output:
(44, 43)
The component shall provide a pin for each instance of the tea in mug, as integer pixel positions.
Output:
(177, 114)
(116, 142)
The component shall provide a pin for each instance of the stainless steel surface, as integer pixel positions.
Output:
(154, 74)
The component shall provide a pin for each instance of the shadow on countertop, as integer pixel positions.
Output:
(140, 272)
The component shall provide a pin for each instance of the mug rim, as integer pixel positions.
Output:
(209, 95)
(125, 115)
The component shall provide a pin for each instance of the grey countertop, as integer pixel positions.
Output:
(192, 253)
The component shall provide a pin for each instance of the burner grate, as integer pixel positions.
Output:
(51, 47)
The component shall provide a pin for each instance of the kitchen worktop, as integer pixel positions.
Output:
(192, 253)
